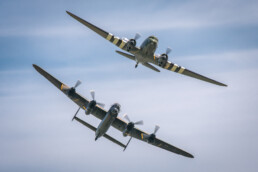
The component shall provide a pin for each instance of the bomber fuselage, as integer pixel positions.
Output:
(107, 120)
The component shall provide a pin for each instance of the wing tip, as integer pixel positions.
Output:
(68, 12)
(221, 84)
(36, 67)
(190, 156)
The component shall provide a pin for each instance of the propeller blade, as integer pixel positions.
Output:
(77, 83)
(92, 92)
(168, 50)
(156, 129)
(76, 113)
(101, 104)
(137, 36)
(139, 122)
(126, 117)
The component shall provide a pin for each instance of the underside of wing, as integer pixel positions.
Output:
(76, 98)
(166, 146)
(179, 69)
(96, 29)
(121, 43)
(201, 77)
(49, 77)
(139, 134)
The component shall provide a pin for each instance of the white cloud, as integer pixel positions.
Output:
(187, 15)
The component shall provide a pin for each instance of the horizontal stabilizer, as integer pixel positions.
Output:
(126, 55)
(150, 66)
(94, 129)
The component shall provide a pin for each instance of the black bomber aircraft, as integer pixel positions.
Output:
(109, 118)
(145, 54)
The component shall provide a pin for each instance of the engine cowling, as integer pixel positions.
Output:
(90, 107)
(151, 138)
(128, 128)
(130, 44)
(162, 60)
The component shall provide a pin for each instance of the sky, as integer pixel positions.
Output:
(218, 125)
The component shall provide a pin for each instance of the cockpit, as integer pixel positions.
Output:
(115, 108)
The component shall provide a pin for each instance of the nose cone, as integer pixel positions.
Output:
(115, 111)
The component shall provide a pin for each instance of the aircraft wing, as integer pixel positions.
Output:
(100, 113)
(82, 102)
(77, 98)
(138, 134)
(109, 36)
(180, 69)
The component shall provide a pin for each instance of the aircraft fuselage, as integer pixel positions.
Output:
(147, 50)
(107, 120)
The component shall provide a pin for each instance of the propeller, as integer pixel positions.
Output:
(137, 36)
(152, 136)
(156, 129)
(129, 127)
(168, 50)
(135, 123)
(132, 42)
(77, 84)
(71, 91)
(92, 93)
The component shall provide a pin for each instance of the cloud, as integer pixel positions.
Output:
(157, 16)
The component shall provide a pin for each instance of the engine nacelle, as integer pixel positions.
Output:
(128, 129)
(90, 107)
(130, 44)
(162, 60)
(151, 138)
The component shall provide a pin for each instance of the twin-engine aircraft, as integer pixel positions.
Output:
(109, 118)
(145, 53)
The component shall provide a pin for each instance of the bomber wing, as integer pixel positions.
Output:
(138, 134)
(121, 43)
(100, 113)
(82, 102)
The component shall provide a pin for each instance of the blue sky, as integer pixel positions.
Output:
(217, 125)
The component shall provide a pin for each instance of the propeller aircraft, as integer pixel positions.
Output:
(109, 118)
(145, 54)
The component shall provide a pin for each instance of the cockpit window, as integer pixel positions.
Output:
(153, 37)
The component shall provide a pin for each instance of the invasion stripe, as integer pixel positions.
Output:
(122, 44)
(167, 65)
(170, 67)
(181, 70)
(119, 42)
(115, 40)
(178, 69)
(112, 39)
(109, 36)
(174, 67)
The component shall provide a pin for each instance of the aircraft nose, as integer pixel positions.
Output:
(115, 111)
